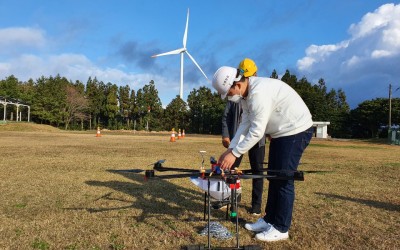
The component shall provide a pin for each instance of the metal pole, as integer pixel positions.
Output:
(390, 106)
(148, 113)
(396, 90)
(17, 113)
(5, 111)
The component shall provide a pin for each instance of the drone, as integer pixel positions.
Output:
(220, 185)
(216, 172)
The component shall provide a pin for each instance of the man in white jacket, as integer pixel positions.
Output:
(272, 107)
(230, 123)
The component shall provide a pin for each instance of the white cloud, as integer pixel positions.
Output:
(380, 53)
(72, 66)
(21, 36)
(371, 22)
(391, 36)
(319, 54)
(354, 60)
(23, 54)
(305, 63)
(370, 53)
(4, 67)
(34, 63)
(79, 67)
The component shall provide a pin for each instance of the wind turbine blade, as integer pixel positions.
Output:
(198, 66)
(186, 30)
(173, 52)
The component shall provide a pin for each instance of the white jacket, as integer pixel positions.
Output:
(271, 107)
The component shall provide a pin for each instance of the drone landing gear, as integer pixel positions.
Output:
(216, 206)
(232, 181)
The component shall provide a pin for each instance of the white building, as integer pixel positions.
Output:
(321, 130)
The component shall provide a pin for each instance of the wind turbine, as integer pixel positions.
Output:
(182, 51)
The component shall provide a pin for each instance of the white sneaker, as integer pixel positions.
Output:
(259, 226)
(272, 235)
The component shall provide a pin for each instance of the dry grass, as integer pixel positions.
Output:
(25, 126)
(57, 193)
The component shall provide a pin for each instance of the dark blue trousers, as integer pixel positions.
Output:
(256, 157)
(284, 154)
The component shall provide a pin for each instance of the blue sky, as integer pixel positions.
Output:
(352, 44)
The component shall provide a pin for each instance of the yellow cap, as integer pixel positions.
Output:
(247, 67)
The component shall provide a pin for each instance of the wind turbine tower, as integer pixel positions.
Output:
(181, 51)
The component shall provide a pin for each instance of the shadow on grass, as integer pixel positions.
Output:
(153, 198)
(371, 203)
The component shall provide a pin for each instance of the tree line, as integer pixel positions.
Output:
(79, 106)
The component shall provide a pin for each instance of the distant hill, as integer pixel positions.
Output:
(27, 127)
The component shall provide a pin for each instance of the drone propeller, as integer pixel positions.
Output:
(159, 167)
(173, 176)
(249, 171)
(297, 176)
(207, 174)
(157, 162)
(185, 170)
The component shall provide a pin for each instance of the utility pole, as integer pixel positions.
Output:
(390, 107)
(147, 122)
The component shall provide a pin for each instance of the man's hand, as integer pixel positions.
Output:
(226, 141)
(227, 159)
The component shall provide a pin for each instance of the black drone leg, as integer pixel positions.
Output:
(209, 213)
(237, 219)
(227, 211)
(205, 206)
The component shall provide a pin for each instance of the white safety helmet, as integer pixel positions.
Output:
(224, 78)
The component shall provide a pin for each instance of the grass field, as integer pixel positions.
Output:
(57, 192)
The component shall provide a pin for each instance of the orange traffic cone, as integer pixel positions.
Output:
(172, 139)
(179, 134)
(98, 134)
(183, 133)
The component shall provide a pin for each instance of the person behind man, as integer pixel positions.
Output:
(269, 106)
(230, 123)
